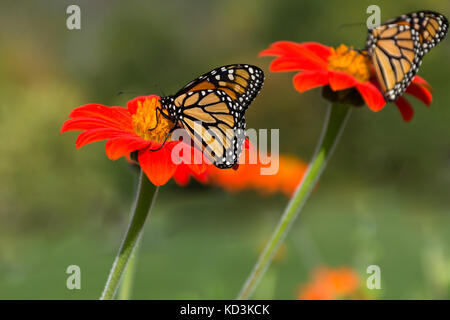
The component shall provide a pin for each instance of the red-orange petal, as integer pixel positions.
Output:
(281, 48)
(88, 124)
(248, 145)
(194, 160)
(132, 104)
(121, 146)
(157, 165)
(286, 64)
(297, 56)
(419, 80)
(341, 80)
(197, 168)
(319, 49)
(96, 135)
(421, 92)
(405, 109)
(371, 95)
(181, 175)
(290, 48)
(310, 79)
(115, 115)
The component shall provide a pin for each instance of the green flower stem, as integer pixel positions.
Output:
(146, 195)
(336, 119)
(128, 277)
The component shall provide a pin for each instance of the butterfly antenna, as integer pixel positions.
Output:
(164, 142)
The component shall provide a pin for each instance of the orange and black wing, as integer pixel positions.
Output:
(431, 26)
(212, 110)
(214, 124)
(240, 82)
(395, 53)
(397, 48)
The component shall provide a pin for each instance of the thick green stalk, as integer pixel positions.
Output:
(336, 119)
(145, 198)
(127, 279)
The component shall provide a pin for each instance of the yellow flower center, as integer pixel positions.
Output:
(351, 61)
(149, 123)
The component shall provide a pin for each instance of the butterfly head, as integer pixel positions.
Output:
(168, 103)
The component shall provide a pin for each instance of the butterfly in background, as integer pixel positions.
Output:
(398, 46)
(212, 109)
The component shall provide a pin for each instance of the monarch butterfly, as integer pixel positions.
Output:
(211, 109)
(398, 46)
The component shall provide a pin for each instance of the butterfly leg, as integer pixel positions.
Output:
(157, 118)
(165, 139)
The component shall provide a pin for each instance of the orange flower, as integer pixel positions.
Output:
(133, 129)
(330, 284)
(346, 74)
(316, 291)
(248, 176)
(183, 174)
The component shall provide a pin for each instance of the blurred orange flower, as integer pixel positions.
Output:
(330, 284)
(248, 175)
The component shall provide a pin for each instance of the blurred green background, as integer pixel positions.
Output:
(384, 198)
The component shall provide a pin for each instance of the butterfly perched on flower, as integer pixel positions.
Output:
(212, 109)
(398, 46)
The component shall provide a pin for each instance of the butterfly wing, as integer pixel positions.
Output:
(241, 83)
(395, 53)
(214, 124)
(212, 107)
(432, 27)
(397, 48)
